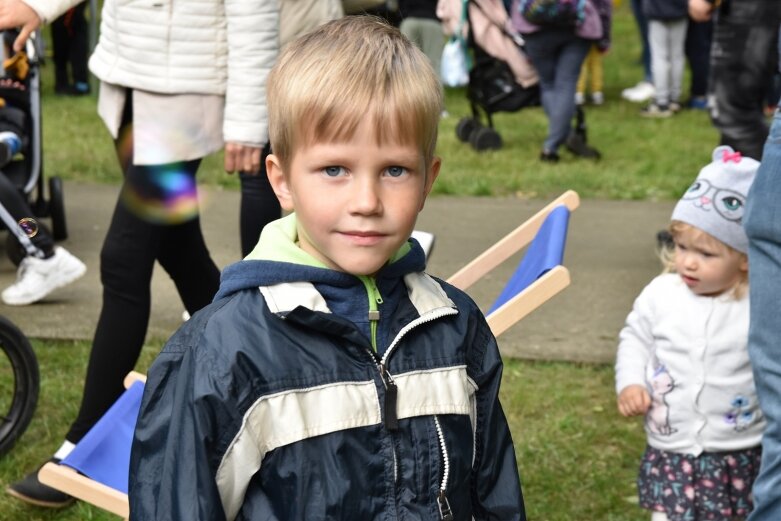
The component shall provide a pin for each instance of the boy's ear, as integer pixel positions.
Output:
(431, 176)
(278, 181)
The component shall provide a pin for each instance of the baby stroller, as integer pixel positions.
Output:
(501, 78)
(20, 116)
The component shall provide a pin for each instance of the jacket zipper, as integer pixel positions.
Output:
(444, 505)
(375, 299)
(391, 391)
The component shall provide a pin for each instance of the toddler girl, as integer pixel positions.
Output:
(683, 358)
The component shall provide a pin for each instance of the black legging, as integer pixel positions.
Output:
(130, 249)
(259, 205)
(70, 40)
(18, 208)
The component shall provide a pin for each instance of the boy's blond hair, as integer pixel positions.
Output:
(328, 80)
(667, 254)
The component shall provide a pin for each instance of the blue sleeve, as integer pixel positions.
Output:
(497, 491)
(173, 461)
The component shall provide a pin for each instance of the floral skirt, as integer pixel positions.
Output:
(711, 486)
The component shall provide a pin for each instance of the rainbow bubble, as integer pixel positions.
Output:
(29, 226)
(161, 195)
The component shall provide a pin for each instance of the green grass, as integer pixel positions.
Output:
(577, 457)
(643, 159)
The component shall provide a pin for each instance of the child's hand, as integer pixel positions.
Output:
(634, 400)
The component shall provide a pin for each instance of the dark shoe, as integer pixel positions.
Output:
(77, 89)
(698, 103)
(656, 111)
(664, 240)
(80, 88)
(32, 491)
(549, 156)
(577, 145)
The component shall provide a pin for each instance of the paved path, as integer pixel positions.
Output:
(610, 253)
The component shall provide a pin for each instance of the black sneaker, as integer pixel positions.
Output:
(656, 111)
(576, 144)
(32, 491)
(548, 156)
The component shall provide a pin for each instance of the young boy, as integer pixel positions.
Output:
(332, 378)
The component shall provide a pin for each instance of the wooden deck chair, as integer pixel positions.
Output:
(426, 241)
(96, 470)
(540, 274)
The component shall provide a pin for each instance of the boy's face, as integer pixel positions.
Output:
(356, 201)
(707, 266)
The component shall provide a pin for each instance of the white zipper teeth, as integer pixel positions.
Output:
(445, 458)
(428, 317)
(442, 312)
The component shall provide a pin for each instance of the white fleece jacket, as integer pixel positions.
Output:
(224, 47)
(691, 353)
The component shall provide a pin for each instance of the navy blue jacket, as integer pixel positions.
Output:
(272, 403)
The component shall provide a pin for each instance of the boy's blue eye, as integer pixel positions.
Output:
(396, 171)
(332, 171)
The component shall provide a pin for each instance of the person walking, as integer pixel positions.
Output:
(179, 81)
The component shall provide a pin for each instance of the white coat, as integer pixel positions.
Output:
(222, 47)
(691, 353)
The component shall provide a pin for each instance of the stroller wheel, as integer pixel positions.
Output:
(57, 209)
(485, 138)
(465, 127)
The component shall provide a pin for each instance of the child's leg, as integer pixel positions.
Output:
(658, 38)
(597, 72)
(677, 39)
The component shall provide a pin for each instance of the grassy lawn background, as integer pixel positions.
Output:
(577, 457)
(643, 158)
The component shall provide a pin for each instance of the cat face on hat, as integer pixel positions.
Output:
(716, 201)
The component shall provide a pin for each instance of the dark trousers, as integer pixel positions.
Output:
(699, 37)
(70, 42)
(744, 57)
(259, 205)
(130, 249)
(642, 27)
(557, 54)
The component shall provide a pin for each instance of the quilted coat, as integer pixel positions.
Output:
(224, 47)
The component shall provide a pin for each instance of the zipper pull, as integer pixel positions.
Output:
(391, 397)
(444, 507)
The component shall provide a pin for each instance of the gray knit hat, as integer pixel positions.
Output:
(715, 202)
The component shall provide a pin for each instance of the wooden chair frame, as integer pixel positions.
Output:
(535, 294)
(68, 480)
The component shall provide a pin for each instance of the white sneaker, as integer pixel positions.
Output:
(36, 278)
(641, 92)
(580, 99)
(597, 98)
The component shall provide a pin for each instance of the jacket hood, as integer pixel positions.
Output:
(277, 259)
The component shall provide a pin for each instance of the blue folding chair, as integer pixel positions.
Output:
(96, 471)
(540, 274)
